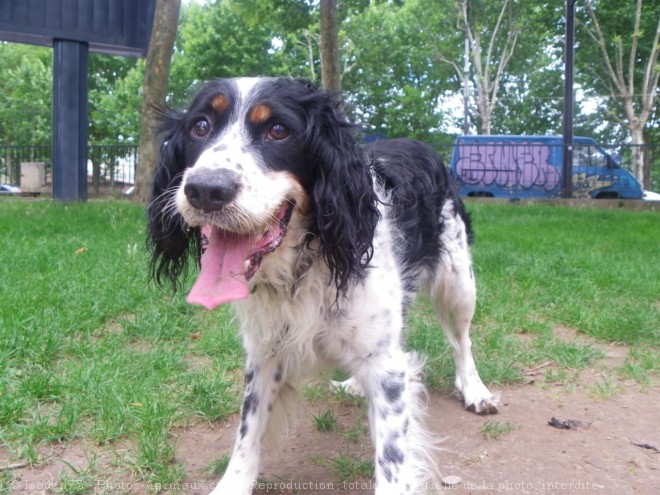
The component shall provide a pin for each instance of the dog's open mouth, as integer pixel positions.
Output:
(230, 260)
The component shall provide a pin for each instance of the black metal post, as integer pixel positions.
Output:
(567, 166)
(70, 120)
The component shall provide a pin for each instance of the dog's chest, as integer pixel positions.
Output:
(307, 329)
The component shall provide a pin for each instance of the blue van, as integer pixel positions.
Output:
(531, 167)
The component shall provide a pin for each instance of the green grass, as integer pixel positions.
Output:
(89, 350)
(593, 270)
(357, 433)
(541, 267)
(495, 430)
(350, 467)
(606, 388)
(77, 481)
(219, 466)
(640, 364)
(326, 421)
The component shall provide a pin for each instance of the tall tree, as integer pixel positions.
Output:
(492, 33)
(490, 61)
(330, 75)
(156, 75)
(394, 86)
(625, 62)
(530, 96)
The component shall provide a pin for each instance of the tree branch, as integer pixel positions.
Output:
(600, 41)
(491, 44)
(507, 53)
(308, 45)
(458, 70)
(633, 48)
(651, 75)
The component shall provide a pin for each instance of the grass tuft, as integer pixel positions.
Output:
(78, 481)
(495, 430)
(349, 467)
(219, 466)
(326, 421)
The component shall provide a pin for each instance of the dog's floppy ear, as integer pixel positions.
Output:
(169, 239)
(345, 205)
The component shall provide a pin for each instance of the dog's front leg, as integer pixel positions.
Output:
(263, 381)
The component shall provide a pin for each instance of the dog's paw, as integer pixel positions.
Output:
(476, 396)
(478, 399)
(484, 406)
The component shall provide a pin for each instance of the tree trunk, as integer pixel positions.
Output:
(637, 155)
(156, 74)
(649, 158)
(330, 77)
(486, 82)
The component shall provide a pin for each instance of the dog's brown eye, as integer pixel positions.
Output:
(201, 128)
(277, 132)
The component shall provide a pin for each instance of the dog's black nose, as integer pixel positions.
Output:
(210, 190)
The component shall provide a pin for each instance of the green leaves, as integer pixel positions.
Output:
(401, 64)
(25, 94)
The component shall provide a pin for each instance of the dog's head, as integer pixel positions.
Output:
(247, 157)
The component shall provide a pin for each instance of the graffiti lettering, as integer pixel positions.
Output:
(507, 165)
(584, 184)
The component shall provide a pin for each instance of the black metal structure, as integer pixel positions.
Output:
(73, 28)
(116, 27)
(70, 120)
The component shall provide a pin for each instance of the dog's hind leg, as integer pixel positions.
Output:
(454, 295)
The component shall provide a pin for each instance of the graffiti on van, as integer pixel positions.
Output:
(522, 164)
(584, 184)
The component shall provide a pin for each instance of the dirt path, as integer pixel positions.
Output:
(600, 456)
(613, 448)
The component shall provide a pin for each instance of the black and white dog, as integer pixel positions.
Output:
(321, 244)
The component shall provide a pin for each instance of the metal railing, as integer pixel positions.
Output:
(110, 168)
(650, 155)
(12, 156)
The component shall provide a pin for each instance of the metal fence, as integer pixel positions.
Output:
(11, 158)
(650, 155)
(110, 168)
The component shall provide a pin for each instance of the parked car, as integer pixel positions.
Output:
(531, 167)
(9, 190)
(651, 196)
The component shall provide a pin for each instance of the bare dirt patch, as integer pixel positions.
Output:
(611, 451)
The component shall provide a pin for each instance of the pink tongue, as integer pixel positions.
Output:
(221, 278)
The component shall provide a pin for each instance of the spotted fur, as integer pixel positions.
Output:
(363, 230)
